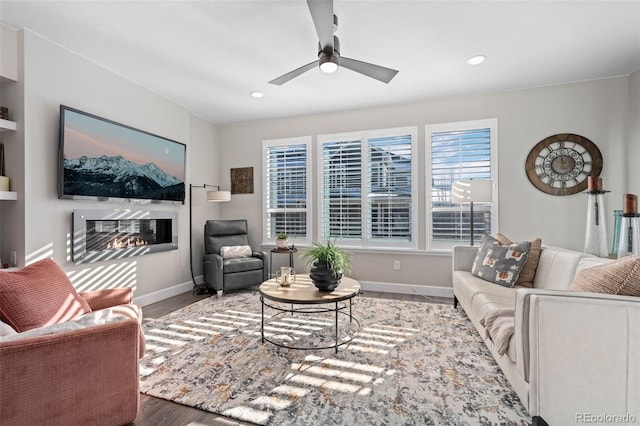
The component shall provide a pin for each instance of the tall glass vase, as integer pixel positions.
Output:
(617, 223)
(595, 240)
(629, 236)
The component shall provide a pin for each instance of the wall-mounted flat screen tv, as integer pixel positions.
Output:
(103, 160)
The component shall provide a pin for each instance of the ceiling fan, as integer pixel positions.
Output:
(329, 58)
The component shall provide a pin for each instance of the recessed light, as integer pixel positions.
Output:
(476, 60)
(257, 94)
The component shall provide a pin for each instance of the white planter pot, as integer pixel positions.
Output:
(4, 183)
(282, 244)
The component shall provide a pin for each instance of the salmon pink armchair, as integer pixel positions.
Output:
(66, 358)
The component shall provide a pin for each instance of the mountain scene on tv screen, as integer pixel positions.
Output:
(117, 177)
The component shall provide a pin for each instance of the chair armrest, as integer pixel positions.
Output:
(212, 268)
(463, 257)
(95, 369)
(262, 255)
(580, 352)
(101, 299)
(259, 254)
(213, 257)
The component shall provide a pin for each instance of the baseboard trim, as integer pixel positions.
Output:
(165, 293)
(422, 290)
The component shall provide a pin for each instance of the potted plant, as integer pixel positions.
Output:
(282, 241)
(328, 264)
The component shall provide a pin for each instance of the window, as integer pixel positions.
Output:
(459, 151)
(367, 191)
(286, 203)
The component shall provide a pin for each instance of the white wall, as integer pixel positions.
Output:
(48, 75)
(51, 76)
(205, 169)
(9, 53)
(633, 137)
(595, 109)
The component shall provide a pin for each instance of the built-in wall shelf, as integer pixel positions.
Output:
(8, 195)
(7, 125)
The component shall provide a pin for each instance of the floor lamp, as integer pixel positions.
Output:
(472, 191)
(215, 196)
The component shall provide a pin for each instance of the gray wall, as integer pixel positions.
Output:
(38, 224)
(594, 109)
(50, 75)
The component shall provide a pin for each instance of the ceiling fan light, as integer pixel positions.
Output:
(328, 63)
(329, 67)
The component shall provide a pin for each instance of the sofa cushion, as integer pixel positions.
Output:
(528, 272)
(557, 268)
(500, 264)
(234, 252)
(232, 266)
(38, 295)
(621, 277)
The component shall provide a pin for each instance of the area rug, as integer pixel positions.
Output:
(410, 363)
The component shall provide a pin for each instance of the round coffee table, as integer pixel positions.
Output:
(310, 300)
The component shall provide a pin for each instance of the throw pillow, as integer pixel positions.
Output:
(528, 272)
(38, 295)
(499, 264)
(234, 252)
(619, 277)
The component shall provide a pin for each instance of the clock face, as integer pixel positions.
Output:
(560, 164)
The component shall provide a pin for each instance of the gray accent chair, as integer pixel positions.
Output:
(222, 275)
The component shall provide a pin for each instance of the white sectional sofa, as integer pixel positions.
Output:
(574, 357)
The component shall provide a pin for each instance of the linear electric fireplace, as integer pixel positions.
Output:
(114, 234)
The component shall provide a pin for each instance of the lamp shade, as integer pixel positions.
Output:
(218, 196)
(472, 191)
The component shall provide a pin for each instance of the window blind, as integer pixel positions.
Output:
(342, 188)
(366, 188)
(389, 188)
(286, 190)
(458, 155)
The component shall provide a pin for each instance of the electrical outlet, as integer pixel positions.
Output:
(14, 258)
(396, 265)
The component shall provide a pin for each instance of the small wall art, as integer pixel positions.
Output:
(242, 180)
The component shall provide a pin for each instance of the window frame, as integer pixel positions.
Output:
(365, 242)
(275, 143)
(430, 129)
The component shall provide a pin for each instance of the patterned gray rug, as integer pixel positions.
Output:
(411, 363)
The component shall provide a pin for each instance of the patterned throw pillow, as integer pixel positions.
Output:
(38, 295)
(500, 264)
(528, 272)
(620, 277)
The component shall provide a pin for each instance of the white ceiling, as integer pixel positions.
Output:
(209, 55)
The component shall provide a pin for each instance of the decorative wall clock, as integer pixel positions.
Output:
(560, 164)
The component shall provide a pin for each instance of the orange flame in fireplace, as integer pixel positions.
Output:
(126, 242)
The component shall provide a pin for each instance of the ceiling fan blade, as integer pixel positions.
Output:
(370, 70)
(293, 74)
(322, 15)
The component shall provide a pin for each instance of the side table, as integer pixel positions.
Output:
(289, 251)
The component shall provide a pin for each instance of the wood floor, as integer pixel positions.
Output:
(159, 412)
